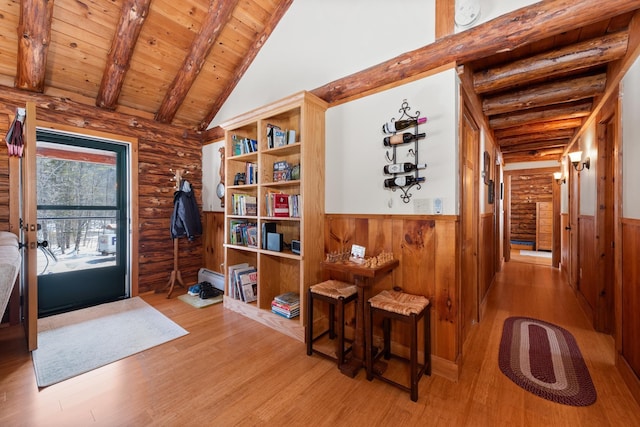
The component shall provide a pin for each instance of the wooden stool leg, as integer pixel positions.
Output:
(414, 358)
(427, 341)
(368, 356)
(340, 350)
(386, 328)
(332, 319)
(309, 323)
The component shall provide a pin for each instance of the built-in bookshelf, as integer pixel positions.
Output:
(275, 159)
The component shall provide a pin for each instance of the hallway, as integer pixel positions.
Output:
(231, 370)
(538, 291)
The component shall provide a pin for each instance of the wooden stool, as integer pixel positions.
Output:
(409, 309)
(336, 294)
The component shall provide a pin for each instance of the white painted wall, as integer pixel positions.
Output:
(355, 154)
(210, 176)
(491, 9)
(317, 42)
(630, 142)
(588, 188)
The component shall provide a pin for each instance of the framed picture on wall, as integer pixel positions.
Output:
(486, 167)
(491, 193)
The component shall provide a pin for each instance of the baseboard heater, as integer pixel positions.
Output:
(213, 277)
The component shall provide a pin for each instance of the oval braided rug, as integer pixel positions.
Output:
(545, 360)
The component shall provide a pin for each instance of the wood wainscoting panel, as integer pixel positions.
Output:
(427, 248)
(587, 283)
(213, 240)
(629, 298)
(486, 256)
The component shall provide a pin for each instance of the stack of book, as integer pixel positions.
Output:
(286, 305)
(243, 282)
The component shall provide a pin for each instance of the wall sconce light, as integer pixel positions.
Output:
(559, 178)
(576, 158)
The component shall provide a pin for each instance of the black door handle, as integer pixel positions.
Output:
(567, 228)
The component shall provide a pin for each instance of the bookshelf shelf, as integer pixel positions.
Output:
(288, 163)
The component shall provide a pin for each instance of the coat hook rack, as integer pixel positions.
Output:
(176, 276)
(177, 177)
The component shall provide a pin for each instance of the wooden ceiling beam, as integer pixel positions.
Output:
(217, 17)
(568, 111)
(539, 127)
(34, 36)
(132, 17)
(615, 72)
(259, 41)
(534, 146)
(537, 137)
(555, 63)
(546, 94)
(504, 33)
(533, 156)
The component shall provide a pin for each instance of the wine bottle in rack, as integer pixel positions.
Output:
(402, 181)
(403, 167)
(393, 127)
(401, 138)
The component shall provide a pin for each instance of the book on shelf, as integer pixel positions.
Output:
(281, 171)
(244, 204)
(243, 233)
(248, 284)
(243, 145)
(283, 306)
(267, 227)
(270, 130)
(284, 313)
(231, 286)
(239, 273)
(291, 136)
(251, 173)
(281, 205)
(288, 298)
(279, 137)
(286, 305)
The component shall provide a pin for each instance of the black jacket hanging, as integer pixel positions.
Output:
(185, 220)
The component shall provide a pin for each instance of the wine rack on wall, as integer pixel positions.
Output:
(403, 168)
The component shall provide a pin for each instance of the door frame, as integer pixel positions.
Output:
(29, 276)
(470, 285)
(68, 290)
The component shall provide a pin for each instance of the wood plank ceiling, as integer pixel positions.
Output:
(171, 61)
(537, 71)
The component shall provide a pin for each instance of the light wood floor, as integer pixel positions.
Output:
(232, 371)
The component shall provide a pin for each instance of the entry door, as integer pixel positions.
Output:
(81, 222)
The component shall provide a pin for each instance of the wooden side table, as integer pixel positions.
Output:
(363, 278)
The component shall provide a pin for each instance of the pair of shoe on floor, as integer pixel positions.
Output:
(204, 290)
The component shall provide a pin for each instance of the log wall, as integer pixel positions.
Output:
(526, 190)
(161, 147)
(427, 250)
(5, 121)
